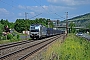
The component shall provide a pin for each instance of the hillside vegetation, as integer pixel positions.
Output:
(81, 20)
(81, 17)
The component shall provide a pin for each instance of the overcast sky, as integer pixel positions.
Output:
(52, 9)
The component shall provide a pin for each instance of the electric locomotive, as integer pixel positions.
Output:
(37, 31)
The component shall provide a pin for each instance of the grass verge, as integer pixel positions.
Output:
(14, 39)
(73, 48)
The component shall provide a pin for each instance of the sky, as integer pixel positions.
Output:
(49, 9)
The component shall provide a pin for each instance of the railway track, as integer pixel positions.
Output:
(7, 48)
(40, 46)
(11, 47)
(23, 53)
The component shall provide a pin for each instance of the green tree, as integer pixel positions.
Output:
(19, 25)
(22, 25)
(72, 29)
(88, 26)
(4, 22)
(11, 25)
(1, 29)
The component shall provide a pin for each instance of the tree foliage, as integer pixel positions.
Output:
(6, 22)
(19, 25)
(1, 29)
(72, 29)
(81, 20)
(22, 24)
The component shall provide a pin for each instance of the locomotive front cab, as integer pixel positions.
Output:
(34, 31)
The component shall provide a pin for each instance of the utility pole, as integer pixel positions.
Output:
(26, 16)
(48, 23)
(58, 22)
(66, 23)
(26, 27)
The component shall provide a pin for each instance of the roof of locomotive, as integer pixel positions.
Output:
(35, 24)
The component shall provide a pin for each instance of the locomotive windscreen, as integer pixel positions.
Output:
(36, 30)
(34, 27)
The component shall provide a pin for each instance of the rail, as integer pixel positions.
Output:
(24, 52)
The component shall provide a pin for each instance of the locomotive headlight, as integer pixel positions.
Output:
(37, 33)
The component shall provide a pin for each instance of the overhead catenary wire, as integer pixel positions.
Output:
(48, 11)
(18, 9)
(41, 6)
(36, 15)
(26, 8)
(59, 15)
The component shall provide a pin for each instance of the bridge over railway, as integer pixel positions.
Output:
(64, 26)
(77, 28)
(69, 27)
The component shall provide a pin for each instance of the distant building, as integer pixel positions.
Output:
(26, 32)
(56, 22)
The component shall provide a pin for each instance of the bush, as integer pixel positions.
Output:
(9, 36)
(0, 36)
(18, 37)
(4, 38)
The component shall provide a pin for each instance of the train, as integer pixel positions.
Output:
(38, 31)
